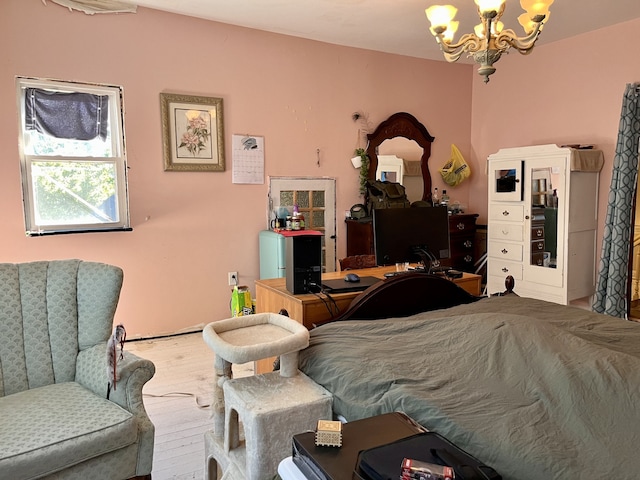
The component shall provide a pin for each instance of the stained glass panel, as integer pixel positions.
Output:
(302, 199)
(317, 219)
(286, 198)
(318, 198)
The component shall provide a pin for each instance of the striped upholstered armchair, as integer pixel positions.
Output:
(55, 419)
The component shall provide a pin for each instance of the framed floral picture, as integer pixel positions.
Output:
(193, 133)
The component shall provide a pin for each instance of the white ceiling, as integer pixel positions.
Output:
(393, 26)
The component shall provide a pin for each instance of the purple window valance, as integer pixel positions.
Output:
(79, 116)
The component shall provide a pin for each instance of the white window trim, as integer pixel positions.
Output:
(116, 108)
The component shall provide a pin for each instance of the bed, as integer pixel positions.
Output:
(534, 389)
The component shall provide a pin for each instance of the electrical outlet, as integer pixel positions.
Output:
(233, 278)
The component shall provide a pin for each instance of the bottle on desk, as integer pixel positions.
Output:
(444, 201)
(297, 219)
(435, 197)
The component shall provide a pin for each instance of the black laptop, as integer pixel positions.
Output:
(340, 286)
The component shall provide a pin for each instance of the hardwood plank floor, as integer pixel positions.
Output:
(177, 400)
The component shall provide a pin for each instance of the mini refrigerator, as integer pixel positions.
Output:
(272, 254)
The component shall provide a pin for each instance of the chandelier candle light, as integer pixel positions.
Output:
(489, 40)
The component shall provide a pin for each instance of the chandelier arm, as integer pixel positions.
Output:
(468, 43)
(508, 38)
(453, 57)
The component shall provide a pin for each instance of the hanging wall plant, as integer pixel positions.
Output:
(364, 169)
(364, 129)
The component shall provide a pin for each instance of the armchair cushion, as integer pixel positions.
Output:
(48, 429)
(55, 419)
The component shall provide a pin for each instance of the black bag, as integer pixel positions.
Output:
(328, 463)
(386, 195)
(384, 462)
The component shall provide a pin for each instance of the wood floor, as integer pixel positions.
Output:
(177, 400)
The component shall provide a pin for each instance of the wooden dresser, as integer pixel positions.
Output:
(462, 240)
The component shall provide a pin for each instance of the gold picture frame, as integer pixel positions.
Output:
(192, 133)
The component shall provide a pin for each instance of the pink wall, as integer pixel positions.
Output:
(190, 229)
(565, 92)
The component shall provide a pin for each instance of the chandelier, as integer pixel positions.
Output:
(489, 40)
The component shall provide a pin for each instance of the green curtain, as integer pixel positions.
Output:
(611, 293)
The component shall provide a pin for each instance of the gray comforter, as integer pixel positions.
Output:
(533, 389)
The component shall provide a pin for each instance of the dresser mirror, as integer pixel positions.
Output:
(544, 217)
(402, 125)
(409, 151)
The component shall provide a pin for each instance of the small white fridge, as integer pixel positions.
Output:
(272, 254)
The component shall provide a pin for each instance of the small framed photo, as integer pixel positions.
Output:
(192, 133)
(508, 181)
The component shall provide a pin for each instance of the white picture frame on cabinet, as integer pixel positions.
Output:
(505, 181)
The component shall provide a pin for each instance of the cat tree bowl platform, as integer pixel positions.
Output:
(273, 406)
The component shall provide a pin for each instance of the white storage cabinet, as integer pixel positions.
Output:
(542, 221)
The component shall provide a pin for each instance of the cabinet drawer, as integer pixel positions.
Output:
(461, 261)
(505, 251)
(537, 246)
(506, 213)
(504, 268)
(506, 231)
(537, 232)
(537, 258)
(462, 243)
(462, 224)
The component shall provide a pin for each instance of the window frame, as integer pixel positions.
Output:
(118, 158)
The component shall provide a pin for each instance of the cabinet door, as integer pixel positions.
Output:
(359, 238)
(506, 181)
(545, 205)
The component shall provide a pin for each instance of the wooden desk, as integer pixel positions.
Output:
(272, 296)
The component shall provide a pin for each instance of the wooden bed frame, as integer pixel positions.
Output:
(407, 294)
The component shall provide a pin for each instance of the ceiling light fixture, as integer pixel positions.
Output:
(489, 40)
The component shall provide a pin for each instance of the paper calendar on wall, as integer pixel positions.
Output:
(248, 159)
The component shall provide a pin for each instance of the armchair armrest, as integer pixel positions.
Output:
(133, 373)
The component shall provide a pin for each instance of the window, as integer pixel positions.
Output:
(73, 163)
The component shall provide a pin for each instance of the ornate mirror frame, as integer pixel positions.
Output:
(405, 125)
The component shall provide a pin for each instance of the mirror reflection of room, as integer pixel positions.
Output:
(390, 169)
(544, 217)
(506, 180)
(409, 152)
